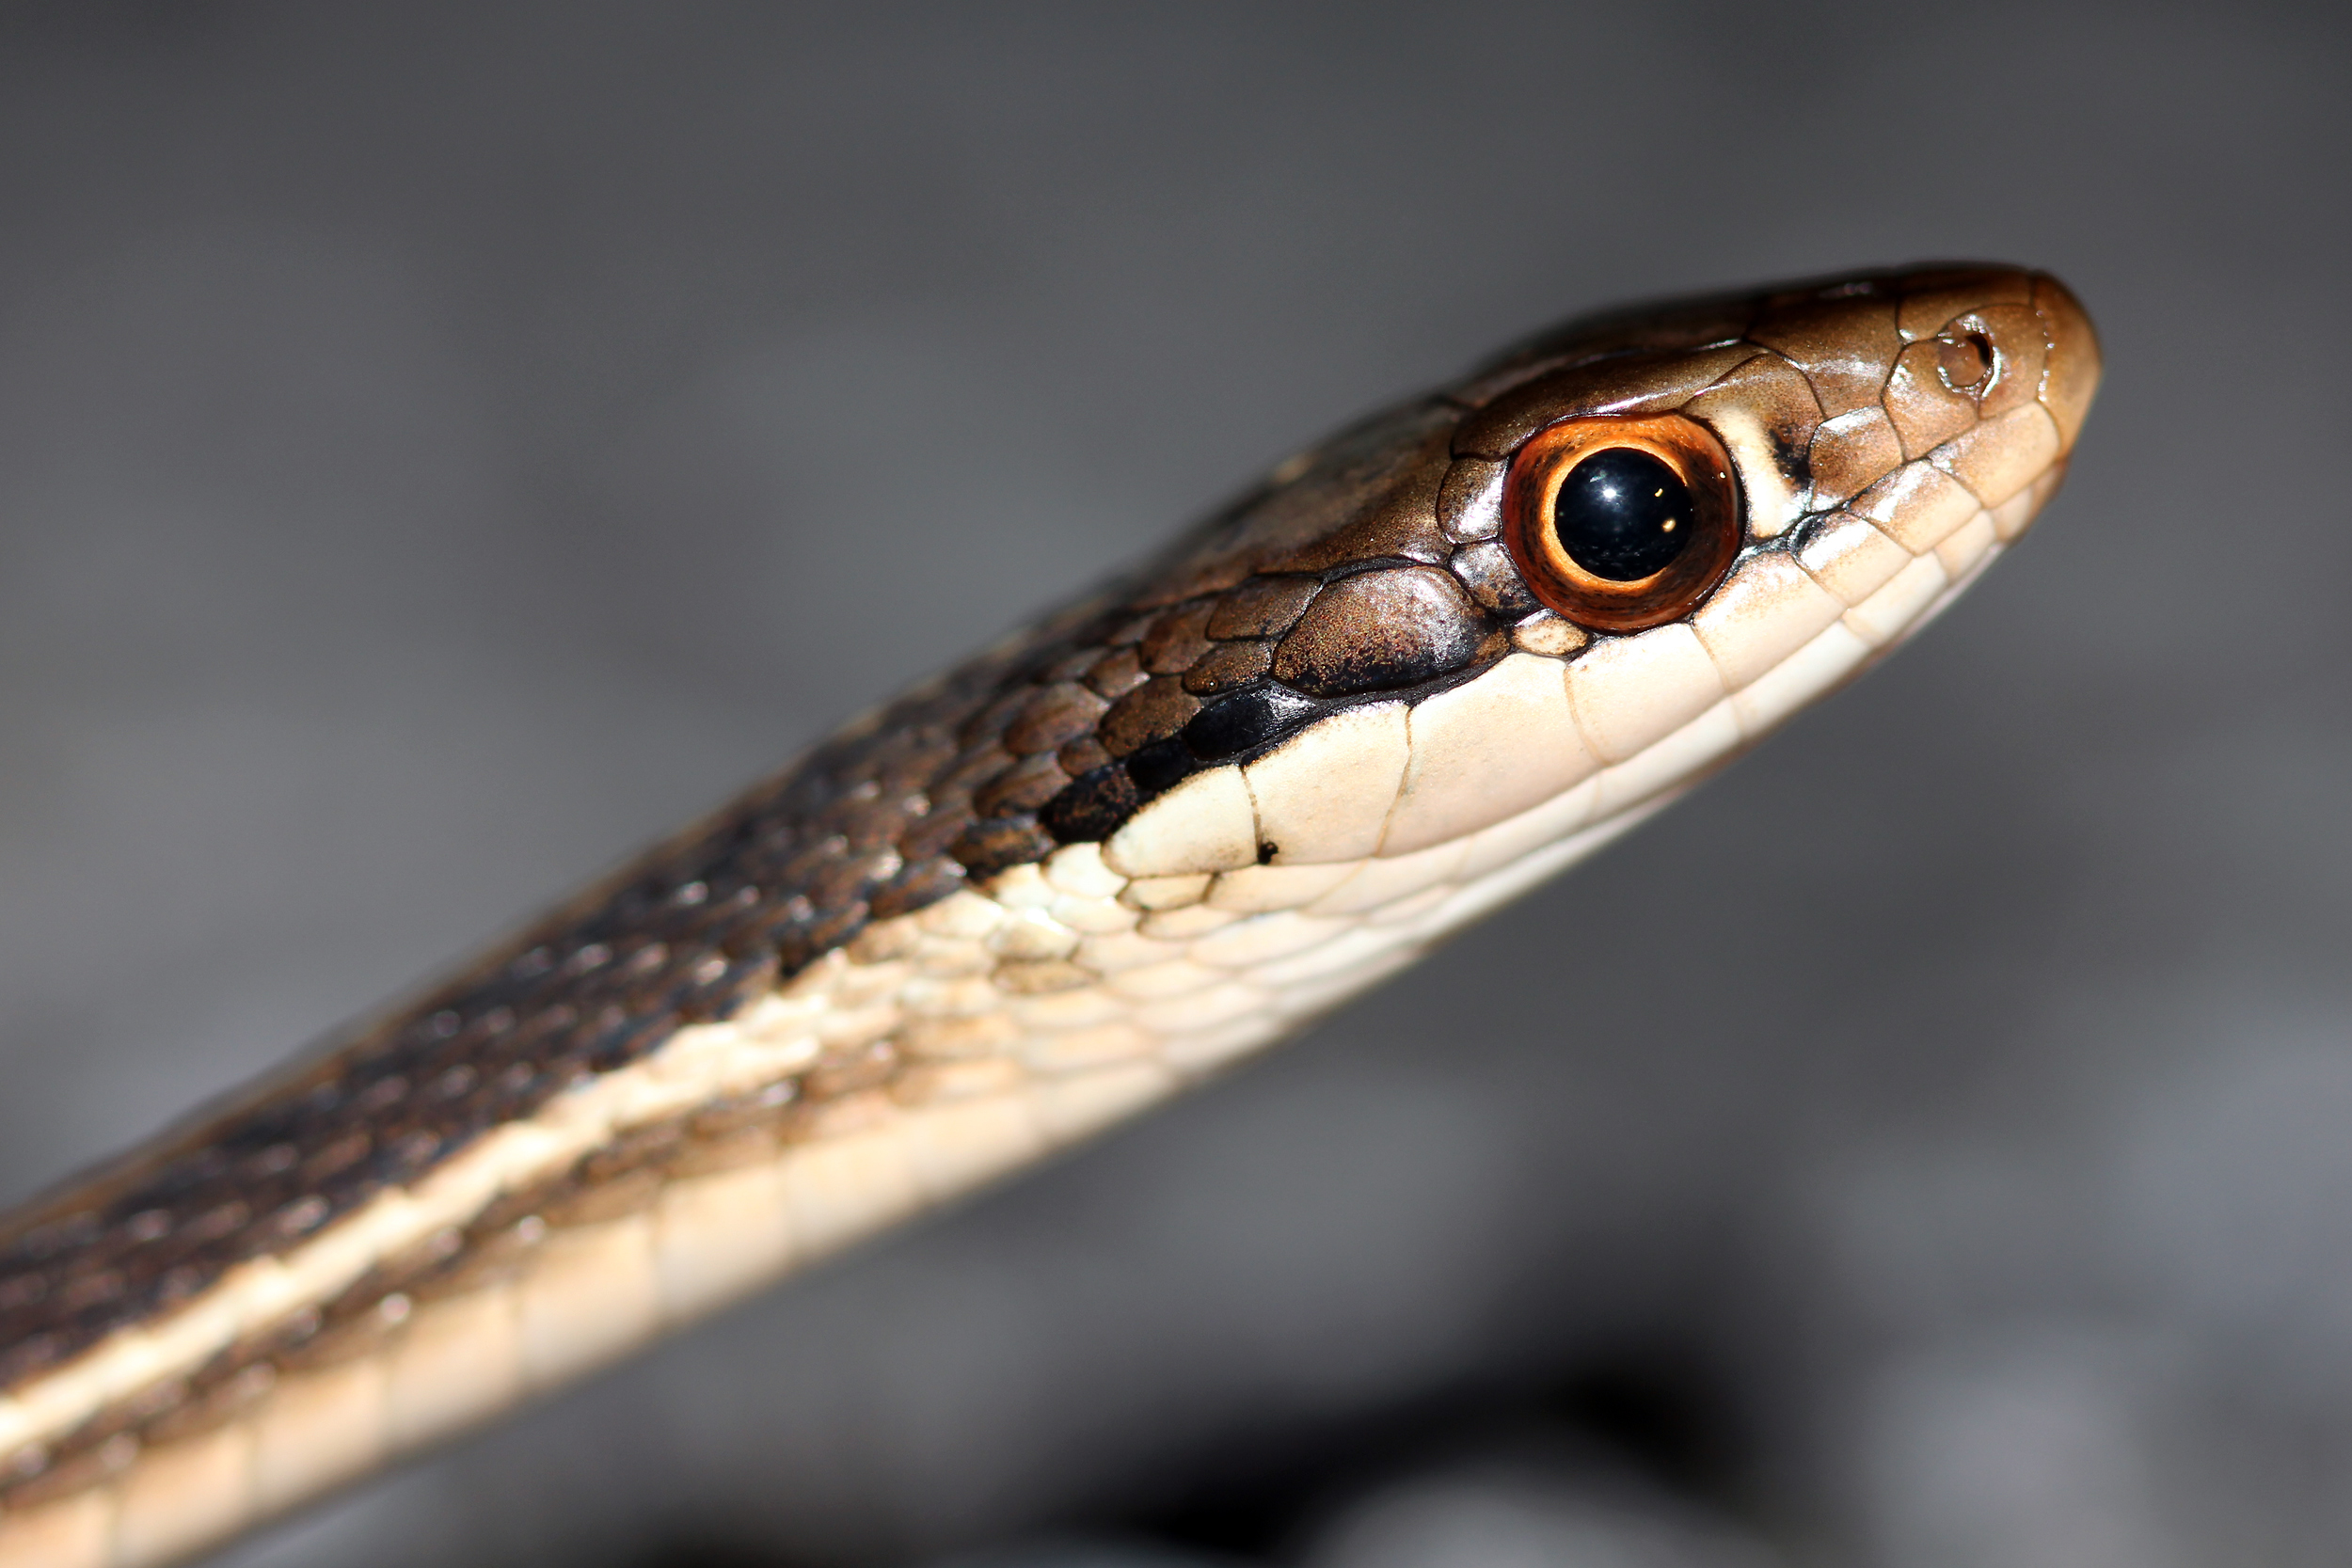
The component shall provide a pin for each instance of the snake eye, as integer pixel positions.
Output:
(1622, 524)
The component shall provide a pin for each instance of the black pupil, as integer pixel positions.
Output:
(1622, 514)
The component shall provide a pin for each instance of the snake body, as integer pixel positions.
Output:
(1351, 712)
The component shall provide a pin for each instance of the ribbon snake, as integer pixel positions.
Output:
(1416, 669)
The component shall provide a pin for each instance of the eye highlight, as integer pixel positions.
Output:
(1622, 524)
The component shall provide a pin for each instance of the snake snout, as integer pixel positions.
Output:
(1996, 371)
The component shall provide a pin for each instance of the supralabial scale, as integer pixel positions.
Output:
(1418, 668)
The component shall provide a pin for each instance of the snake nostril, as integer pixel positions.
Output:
(1964, 362)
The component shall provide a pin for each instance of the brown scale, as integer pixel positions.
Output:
(1379, 630)
(1354, 573)
(1485, 568)
(1227, 666)
(1152, 711)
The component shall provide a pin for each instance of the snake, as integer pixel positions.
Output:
(1411, 673)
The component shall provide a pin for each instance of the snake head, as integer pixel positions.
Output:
(1518, 611)
(1463, 640)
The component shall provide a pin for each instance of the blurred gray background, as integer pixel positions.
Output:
(443, 446)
